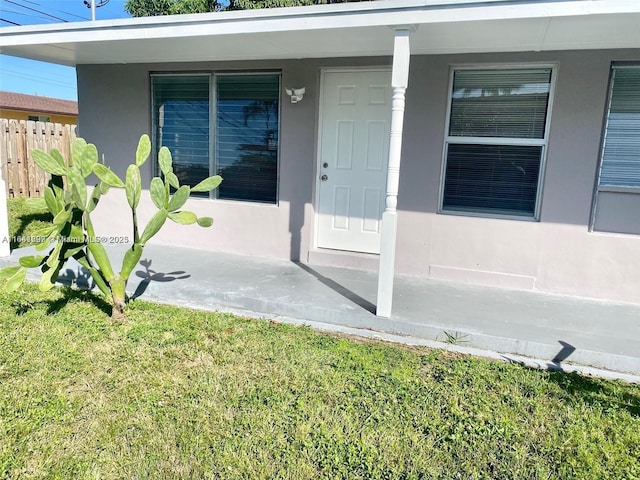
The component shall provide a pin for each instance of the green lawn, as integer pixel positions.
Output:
(175, 393)
(180, 394)
(24, 220)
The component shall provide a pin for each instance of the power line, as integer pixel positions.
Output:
(56, 10)
(99, 3)
(6, 10)
(37, 11)
(52, 75)
(9, 21)
(8, 73)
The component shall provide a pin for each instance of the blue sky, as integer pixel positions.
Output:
(38, 78)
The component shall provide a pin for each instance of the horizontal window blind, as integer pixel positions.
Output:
(509, 103)
(621, 152)
(246, 130)
(247, 108)
(501, 179)
(181, 123)
(507, 108)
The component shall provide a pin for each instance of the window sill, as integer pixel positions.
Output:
(495, 216)
(234, 202)
(613, 189)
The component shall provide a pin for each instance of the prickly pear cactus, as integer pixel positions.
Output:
(71, 233)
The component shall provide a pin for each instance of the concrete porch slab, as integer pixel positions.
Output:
(555, 329)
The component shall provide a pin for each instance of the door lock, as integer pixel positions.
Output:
(324, 178)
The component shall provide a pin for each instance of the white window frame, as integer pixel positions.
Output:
(213, 97)
(612, 188)
(603, 139)
(154, 150)
(543, 142)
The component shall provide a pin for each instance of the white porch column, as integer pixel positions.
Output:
(4, 223)
(399, 80)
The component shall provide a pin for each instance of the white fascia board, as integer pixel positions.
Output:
(462, 26)
(318, 17)
(305, 11)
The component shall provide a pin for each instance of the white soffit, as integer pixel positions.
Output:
(338, 30)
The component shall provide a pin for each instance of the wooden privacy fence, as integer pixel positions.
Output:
(18, 138)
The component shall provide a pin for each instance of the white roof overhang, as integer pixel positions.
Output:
(337, 30)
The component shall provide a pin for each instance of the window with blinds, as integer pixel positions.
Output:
(181, 123)
(241, 111)
(247, 136)
(620, 165)
(496, 141)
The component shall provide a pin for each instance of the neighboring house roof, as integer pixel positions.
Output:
(35, 103)
(335, 30)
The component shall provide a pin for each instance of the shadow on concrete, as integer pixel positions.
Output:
(336, 287)
(564, 353)
(555, 365)
(79, 278)
(149, 276)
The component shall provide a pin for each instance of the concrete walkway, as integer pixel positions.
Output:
(558, 331)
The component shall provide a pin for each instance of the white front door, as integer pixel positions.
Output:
(354, 147)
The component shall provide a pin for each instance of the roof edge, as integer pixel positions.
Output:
(341, 9)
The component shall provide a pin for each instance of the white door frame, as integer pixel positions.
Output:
(320, 131)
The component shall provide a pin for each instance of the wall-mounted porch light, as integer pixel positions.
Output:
(296, 94)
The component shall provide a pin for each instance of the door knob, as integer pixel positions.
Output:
(324, 178)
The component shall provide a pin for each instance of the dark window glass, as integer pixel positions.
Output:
(247, 108)
(507, 109)
(500, 179)
(500, 103)
(246, 131)
(621, 153)
(181, 123)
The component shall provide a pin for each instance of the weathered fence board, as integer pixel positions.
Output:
(17, 140)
